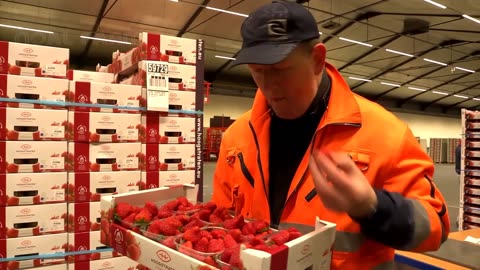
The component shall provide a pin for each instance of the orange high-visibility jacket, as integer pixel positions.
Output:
(382, 146)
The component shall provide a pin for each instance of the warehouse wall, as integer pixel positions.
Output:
(423, 126)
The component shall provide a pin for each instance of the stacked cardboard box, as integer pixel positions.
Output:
(436, 149)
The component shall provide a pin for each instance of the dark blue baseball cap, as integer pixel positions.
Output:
(273, 31)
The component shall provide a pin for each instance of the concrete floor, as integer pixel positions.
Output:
(445, 178)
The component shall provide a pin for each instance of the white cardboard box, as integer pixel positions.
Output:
(43, 244)
(168, 48)
(105, 156)
(32, 188)
(103, 127)
(159, 128)
(33, 60)
(25, 157)
(23, 124)
(90, 76)
(31, 220)
(49, 90)
(155, 179)
(87, 241)
(90, 186)
(117, 263)
(169, 157)
(180, 77)
(182, 100)
(57, 266)
(310, 251)
(83, 217)
(107, 94)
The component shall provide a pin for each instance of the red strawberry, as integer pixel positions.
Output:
(143, 216)
(236, 234)
(169, 242)
(260, 226)
(201, 245)
(152, 208)
(183, 201)
(164, 213)
(229, 242)
(209, 260)
(194, 223)
(184, 219)
(123, 209)
(218, 233)
(293, 234)
(281, 237)
(249, 228)
(215, 220)
(234, 223)
(192, 235)
(215, 245)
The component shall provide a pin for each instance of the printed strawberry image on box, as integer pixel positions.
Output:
(52, 91)
(106, 94)
(22, 124)
(103, 127)
(104, 157)
(84, 242)
(89, 187)
(168, 157)
(91, 76)
(33, 60)
(82, 217)
(168, 48)
(32, 188)
(155, 179)
(159, 128)
(26, 157)
(26, 246)
(30, 220)
(117, 263)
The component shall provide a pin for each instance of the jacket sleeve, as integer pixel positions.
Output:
(222, 185)
(411, 213)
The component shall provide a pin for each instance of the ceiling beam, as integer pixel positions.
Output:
(193, 18)
(465, 100)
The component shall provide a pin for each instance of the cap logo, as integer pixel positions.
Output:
(277, 29)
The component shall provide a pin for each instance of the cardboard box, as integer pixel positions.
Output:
(52, 91)
(104, 157)
(90, 76)
(89, 187)
(103, 127)
(180, 77)
(57, 266)
(26, 157)
(169, 157)
(33, 60)
(106, 94)
(310, 251)
(182, 100)
(117, 263)
(23, 124)
(155, 179)
(30, 220)
(168, 48)
(88, 241)
(159, 128)
(24, 246)
(83, 217)
(32, 188)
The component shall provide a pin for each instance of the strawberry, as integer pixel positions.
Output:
(255, 241)
(204, 214)
(192, 234)
(203, 267)
(169, 242)
(218, 233)
(281, 237)
(235, 260)
(183, 201)
(184, 219)
(293, 234)
(260, 226)
(144, 216)
(164, 213)
(172, 206)
(124, 209)
(129, 220)
(194, 223)
(229, 242)
(134, 252)
(215, 220)
(152, 208)
(215, 245)
(249, 228)
(236, 234)
(234, 223)
(209, 260)
(201, 245)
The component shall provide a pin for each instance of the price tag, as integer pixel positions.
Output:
(157, 85)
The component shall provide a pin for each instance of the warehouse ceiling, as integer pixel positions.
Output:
(415, 55)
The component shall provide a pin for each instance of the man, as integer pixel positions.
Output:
(310, 147)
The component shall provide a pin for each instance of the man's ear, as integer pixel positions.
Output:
(319, 53)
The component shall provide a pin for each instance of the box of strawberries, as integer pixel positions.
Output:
(165, 228)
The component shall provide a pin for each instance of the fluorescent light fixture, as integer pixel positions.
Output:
(397, 52)
(391, 84)
(417, 89)
(106, 40)
(357, 42)
(477, 99)
(464, 69)
(435, 62)
(435, 4)
(227, 11)
(25, 28)
(359, 79)
(440, 93)
(321, 33)
(460, 96)
(225, 57)
(471, 18)
(173, 0)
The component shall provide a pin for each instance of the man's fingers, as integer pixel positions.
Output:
(323, 187)
(336, 175)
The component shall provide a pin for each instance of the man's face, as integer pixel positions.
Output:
(290, 85)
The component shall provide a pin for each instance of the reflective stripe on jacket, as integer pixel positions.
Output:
(382, 146)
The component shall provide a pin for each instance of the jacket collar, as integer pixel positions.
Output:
(342, 106)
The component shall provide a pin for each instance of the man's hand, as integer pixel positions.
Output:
(341, 185)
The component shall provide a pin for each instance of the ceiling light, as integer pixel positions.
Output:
(440, 93)
(460, 96)
(173, 0)
(397, 52)
(435, 62)
(106, 40)
(321, 33)
(471, 18)
(357, 42)
(225, 57)
(417, 89)
(359, 79)
(477, 99)
(25, 28)
(227, 11)
(464, 69)
(391, 84)
(435, 4)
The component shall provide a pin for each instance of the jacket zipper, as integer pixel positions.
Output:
(245, 170)
(259, 161)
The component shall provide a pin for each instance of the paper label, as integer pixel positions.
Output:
(53, 132)
(132, 134)
(157, 86)
(56, 98)
(55, 70)
(57, 163)
(131, 162)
